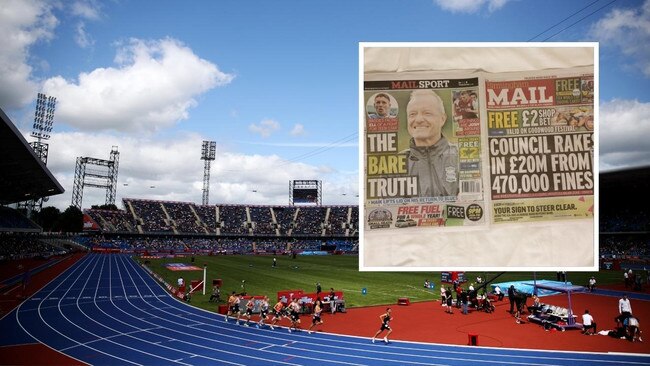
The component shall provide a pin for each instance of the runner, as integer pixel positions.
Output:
(385, 320)
(294, 307)
(236, 308)
(316, 320)
(231, 305)
(264, 311)
(278, 313)
(249, 310)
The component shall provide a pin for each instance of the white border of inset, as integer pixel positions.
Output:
(362, 186)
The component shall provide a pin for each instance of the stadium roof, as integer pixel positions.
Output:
(633, 175)
(23, 176)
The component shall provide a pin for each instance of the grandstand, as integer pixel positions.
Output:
(624, 222)
(23, 176)
(184, 226)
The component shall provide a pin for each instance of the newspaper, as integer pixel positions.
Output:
(414, 177)
(540, 147)
(480, 150)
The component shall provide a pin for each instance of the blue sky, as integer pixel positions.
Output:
(274, 83)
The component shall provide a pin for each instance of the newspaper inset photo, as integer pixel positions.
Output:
(478, 156)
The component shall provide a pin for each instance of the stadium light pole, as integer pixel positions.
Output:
(43, 122)
(208, 154)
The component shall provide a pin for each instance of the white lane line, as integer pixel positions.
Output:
(417, 352)
(71, 271)
(238, 340)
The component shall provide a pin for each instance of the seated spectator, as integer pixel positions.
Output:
(216, 294)
(497, 291)
(486, 304)
(188, 294)
(537, 306)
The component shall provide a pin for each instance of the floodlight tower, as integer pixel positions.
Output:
(43, 121)
(103, 175)
(208, 153)
(111, 188)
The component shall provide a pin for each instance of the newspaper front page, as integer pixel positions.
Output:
(438, 182)
(541, 145)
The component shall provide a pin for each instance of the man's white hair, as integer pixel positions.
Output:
(429, 93)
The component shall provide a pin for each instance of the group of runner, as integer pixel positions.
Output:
(290, 311)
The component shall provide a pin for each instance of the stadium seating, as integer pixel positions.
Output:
(310, 221)
(184, 217)
(112, 221)
(20, 246)
(208, 216)
(12, 220)
(262, 220)
(164, 226)
(152, 216)
(338, 220)
(234, 219)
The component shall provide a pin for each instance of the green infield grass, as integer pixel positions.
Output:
(256, 275)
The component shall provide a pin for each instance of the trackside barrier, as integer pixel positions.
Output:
(173, 290)
(287, 295)
(472, 339)
(403, 301)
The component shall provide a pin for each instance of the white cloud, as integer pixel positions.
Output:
(86, 9)
(82, 38)
(174, 168)
(330, 145)
(496, 4)
(153, 87)
(265, 128)
(23, 23)
(629, 30)
(470, 6)
(624, 128)
(298, 130)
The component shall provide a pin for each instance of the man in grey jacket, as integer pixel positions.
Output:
(430, 155)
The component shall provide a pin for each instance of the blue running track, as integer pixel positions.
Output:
(107, 310)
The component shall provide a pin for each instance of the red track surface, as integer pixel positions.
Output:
(34, 354)
(427, 322)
